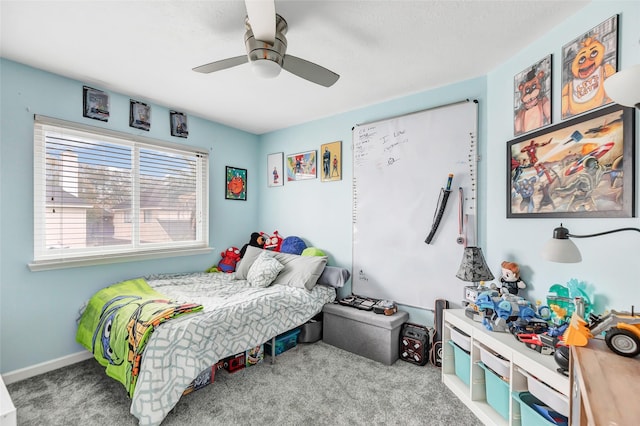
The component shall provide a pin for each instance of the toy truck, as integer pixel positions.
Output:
(622, 331)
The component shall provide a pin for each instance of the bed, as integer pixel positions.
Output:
(223, 314)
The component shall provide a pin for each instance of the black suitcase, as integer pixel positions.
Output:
(414, 343)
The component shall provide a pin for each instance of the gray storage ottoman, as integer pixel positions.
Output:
(365, 333)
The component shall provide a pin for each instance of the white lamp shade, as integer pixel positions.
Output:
(624, 86)
(265, 68)
(561, 251)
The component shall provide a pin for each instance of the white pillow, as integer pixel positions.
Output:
(264, 270)
(300, 271)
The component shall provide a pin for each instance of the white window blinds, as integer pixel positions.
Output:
(112, 196)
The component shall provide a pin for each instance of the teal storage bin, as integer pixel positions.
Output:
(462, 362)
(497, 391)
(529, 416)
(284, 342)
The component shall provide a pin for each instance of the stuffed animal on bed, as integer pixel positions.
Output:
(230, 258)
(256, 240)
(273, 242)
(293, 245)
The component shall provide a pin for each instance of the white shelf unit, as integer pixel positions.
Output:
(543, 367)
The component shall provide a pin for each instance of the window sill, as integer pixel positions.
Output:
(106, 259)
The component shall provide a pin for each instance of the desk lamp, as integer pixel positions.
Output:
(623, 87)
(562, 250)
(473, 268)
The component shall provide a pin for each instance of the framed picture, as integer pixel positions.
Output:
(575, 168)
(178, 124)
(275, 169)
(331, 161)
(139, 115)
(235, 187)
(301, 166)
(95, 104)
(586, 62)
(532, 97)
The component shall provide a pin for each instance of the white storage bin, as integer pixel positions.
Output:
(495, 362)
(547, 394)
(461, 339)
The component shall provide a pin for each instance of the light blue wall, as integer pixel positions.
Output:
(610, 264)
(317, 211)
(38, 309)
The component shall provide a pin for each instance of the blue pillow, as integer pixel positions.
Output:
(293, 245)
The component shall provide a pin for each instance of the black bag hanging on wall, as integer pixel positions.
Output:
(435, 354)
(414, 343)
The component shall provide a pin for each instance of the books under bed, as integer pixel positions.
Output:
(156, 333)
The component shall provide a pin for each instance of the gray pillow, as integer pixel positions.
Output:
(334, 276)
(264, 270)
(250, 256)
(299, 271)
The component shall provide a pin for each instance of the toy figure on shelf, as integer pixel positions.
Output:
(510, 281)
(257, 240)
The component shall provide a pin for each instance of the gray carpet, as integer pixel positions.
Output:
(312, 384)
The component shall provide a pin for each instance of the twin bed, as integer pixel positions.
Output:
(195, 319)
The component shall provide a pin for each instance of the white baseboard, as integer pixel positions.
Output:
(35, 370)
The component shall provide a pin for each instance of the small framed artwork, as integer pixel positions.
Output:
(586, 62)
(178, 124)
(235, 184)
(580, 168)
(301, 166)
(139, 115)
(95, 104)
(532, 97)
(275, 169)
(331, 161)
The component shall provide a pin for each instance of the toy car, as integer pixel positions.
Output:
(622, 331)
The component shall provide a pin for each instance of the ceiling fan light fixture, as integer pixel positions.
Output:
(265, 68)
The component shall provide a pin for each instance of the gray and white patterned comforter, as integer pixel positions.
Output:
(236, 317)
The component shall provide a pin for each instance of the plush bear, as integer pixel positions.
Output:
(230, 258)
(256, 240)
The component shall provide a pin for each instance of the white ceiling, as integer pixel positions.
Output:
(381, 49)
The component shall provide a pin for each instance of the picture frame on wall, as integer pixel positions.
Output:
(139, 115)
(587, 61)
(275, 169)
(95, 104)
(302, 166)
(575, 169)
(331, 161)
(178, 124)
(235, 184)
(532, 97)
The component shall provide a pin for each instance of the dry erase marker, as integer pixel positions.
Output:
(449, 181)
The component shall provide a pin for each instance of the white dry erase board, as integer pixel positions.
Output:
(400, 169)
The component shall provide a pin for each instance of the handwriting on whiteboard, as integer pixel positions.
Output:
(368, 142)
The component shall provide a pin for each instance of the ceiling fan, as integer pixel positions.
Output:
(266, 48)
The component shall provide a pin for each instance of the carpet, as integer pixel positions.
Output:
(311, 384)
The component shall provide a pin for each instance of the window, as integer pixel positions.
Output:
(102, 196)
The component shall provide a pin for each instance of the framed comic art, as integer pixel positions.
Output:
(331, 161)
(235, 187)
(580, 168)
(178, 124)
(139, 115)
(586, 62)
(301, 166)
(95, 104)
(532, 97)
(275, 169)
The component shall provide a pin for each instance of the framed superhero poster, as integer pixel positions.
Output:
(582, 167)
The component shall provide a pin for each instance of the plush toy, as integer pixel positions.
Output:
(256, 240)
(510, 281)
(273, 242)
(230, 258)
(312, 251)
(293, 245)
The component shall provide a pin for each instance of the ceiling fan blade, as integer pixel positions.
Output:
(222, 64)
(262, 18)
(309, 71)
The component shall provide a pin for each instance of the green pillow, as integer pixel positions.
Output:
(312, 251)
